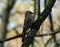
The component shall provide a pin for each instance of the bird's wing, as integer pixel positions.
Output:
(27, 24)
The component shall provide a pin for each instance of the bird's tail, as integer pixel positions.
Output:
(23, 33)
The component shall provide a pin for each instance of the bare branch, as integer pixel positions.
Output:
(2, 41)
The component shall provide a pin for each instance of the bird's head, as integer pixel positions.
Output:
(27, 13)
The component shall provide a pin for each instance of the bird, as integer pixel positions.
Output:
(29, 19)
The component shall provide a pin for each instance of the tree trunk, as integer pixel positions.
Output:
(5, 20)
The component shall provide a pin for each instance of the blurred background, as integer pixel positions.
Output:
(16, 20)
